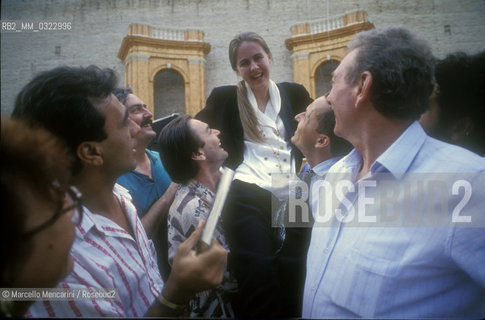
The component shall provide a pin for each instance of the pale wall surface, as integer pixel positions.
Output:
(99, 27)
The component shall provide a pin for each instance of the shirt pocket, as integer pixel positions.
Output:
(367, 283)
(372, 265)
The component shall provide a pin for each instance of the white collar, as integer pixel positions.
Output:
(274, 104)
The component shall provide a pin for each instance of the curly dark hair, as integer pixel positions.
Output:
(61, 100)
(122, 93)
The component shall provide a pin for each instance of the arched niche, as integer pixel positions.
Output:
(168, 93)
(147, 50)
(323, 76)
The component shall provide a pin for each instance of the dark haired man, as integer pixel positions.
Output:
(149, 184)
(314, 137)
(457, 111)
(372, 254)
(316, 140)
(193, 156)
(111, 249)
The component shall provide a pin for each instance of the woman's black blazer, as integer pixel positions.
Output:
(221, 113)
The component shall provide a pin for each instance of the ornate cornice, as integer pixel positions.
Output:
(136, 40)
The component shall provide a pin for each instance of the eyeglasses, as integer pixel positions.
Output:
(72, 195)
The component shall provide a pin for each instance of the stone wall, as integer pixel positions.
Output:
(98, 27)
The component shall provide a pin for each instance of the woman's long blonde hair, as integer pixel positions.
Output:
(249, 120)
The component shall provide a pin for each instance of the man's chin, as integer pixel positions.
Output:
(148, 131)
(132, 167)
(295, 142)
(224, 157)
(146, 136)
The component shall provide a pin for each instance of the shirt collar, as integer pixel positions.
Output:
(104, 225)
(323, 167)
(399, 156)
(396, 159)
(274, 101)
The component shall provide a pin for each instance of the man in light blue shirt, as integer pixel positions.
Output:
(315, 138)
(400, 230)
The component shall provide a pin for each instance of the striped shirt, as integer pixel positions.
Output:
(107, 257)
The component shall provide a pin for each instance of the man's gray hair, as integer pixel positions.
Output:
(402, 68)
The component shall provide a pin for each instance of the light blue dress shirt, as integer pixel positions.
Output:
(320, 170)
(406, 268)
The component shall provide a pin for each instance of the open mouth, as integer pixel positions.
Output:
(146, 124)
(258, 76)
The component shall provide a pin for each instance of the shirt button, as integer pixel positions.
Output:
(281, 148)
(265, 158)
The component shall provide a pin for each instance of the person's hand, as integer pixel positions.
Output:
(153, 219)
(192, 272)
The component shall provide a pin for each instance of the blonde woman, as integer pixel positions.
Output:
(256, 120)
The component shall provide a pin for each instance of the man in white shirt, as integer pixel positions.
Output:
(427, 261)
(111, 249)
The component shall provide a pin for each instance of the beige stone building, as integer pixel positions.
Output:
(174, 52)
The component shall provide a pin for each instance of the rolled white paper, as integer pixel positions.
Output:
(220, 198)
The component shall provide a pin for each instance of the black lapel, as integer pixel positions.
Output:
(286, 112)
(288, 118)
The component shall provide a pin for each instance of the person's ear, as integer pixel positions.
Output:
(199, 155)
(322, 141)
(90, 153)
(364, 83)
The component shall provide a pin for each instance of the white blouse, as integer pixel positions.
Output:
(265, 162)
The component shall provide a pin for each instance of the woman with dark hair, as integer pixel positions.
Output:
(39, 210)
(256, 120)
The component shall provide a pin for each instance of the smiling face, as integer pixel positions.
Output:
(253, 64)
(212, 150)
(139, 113)
(342, 97)
(306, 135)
